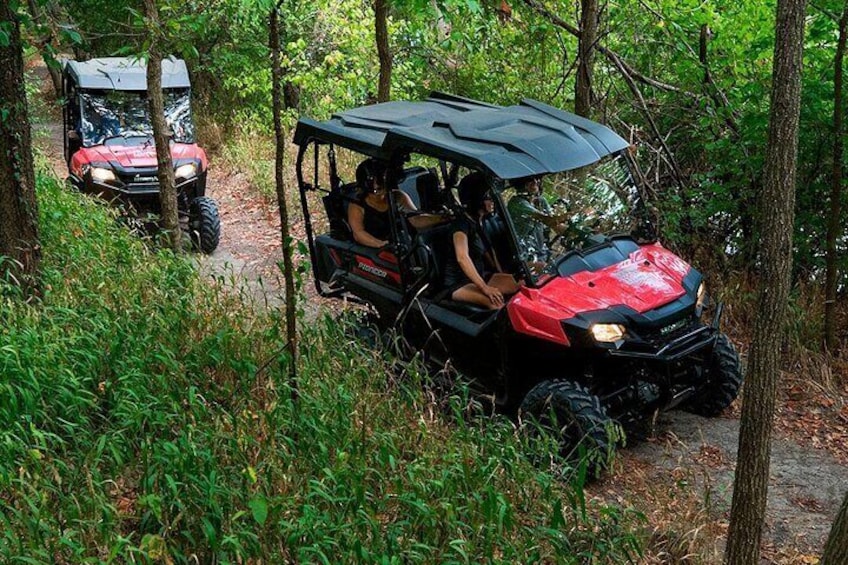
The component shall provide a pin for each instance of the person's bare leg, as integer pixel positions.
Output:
(470, 293)
(505, 283)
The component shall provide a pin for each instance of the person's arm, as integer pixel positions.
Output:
(544, 214)
(460, 245)
(356, 219)
(418, 221)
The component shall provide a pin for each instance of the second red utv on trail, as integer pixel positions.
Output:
(607, 326)
(109, 145)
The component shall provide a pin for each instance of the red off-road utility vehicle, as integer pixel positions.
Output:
(608, 325)
(109, 141)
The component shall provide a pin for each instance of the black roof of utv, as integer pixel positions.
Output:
(124, 73)
(530, 138)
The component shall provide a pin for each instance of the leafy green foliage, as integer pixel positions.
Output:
(147, 418)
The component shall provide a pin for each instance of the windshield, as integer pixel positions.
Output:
(116, 113)
(558, 213)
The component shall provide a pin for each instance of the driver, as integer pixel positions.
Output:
(532, 217)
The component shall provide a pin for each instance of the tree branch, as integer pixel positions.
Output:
(613, 57)
(634, 88)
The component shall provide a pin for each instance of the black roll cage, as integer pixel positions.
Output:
(402, 244)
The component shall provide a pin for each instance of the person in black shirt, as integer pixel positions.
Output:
(368, 216)
(473, 273)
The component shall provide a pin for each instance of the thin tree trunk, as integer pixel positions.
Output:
(19, 240)
(381, 34)
(589, 20)
(279, 177)
(777, 207)
(45, 20)
(835, 213)
(836, 548)
(167, 183)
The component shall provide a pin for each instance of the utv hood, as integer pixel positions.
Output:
(142, 156)
(646, 279)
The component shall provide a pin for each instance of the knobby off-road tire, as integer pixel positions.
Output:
(723, 379)
(204, 224)
(577, 417)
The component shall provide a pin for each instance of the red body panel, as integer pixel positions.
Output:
(137, 156)
(648, 279)
(369, 269)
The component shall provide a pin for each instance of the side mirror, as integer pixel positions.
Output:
(73, 135)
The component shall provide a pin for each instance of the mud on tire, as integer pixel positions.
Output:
(723, 379)
(577, 417)
(204, 224)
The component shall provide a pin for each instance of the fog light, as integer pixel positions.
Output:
(702, 296)
(608, 333)
(185, 171)
(102, 175)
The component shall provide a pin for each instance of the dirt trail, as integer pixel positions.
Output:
(698, 455)
(687, 467)
(250, 245)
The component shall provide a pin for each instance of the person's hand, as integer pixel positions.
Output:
(384, 243)
(494, 295)
(536, 267)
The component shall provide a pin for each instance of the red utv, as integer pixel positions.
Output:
(109, 141)
(608, 324)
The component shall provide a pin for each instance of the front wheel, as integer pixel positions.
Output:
(722, 380)
(204, 224)
(577, 417)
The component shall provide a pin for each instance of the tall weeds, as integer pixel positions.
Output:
(145, 418)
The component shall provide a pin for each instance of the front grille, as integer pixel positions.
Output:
(669, 332)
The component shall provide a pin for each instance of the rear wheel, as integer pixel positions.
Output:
(204, 224)
(581, 424)
(722, 380)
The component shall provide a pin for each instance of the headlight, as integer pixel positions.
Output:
(185, 171)
(702, 296)
(607, 333)
(102, 175)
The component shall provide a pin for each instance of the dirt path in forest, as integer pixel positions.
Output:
(681, 478)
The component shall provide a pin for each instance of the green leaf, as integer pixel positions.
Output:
(5, 37)
(474, 6)
(259, 508)
(72, 35)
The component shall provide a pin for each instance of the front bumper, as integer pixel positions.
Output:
(142, 193)
(691, 341)
(683, 346)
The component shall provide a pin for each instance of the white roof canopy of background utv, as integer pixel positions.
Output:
(124, 73)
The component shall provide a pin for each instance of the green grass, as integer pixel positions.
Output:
(146, 417)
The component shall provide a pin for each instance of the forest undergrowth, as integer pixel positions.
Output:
(148, 419)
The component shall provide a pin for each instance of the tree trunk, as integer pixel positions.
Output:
(836, 548)
(161, 136)
(777, 207)
(589, 20)
(18, 206)
(381, 34)
(279, 177)
(835, 212)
